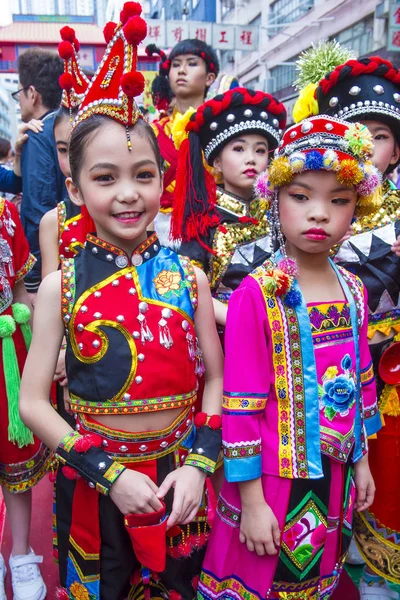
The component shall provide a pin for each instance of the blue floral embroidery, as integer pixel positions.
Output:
(337, 392)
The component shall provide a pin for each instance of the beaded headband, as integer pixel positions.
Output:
(325, 143)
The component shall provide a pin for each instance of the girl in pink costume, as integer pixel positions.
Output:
(299, 390)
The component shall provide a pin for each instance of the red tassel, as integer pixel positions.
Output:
(77, 45)
(65, 50)
(173, 552)
(66, 81)
(70, 473)
(67, 34)
(173, 595)
(62, 594)
(182, 174)
(132, 84)
(109, 31)
(135, 30)
(52, 477)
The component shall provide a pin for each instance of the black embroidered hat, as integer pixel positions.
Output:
(368, 88)
(239, 110)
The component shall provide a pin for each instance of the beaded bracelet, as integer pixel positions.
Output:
(83, 456)
(207, 443)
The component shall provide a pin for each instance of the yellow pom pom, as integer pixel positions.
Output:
(178, 128)
(306, 104)
(367, 205)
(349, 172)
(280, 172)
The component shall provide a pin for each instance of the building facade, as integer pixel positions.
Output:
(287, 28)
(5, 124)
(96, 9)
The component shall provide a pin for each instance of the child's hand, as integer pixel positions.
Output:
(365, 485)
(60, 374)
(259, 529)
(188, 484)
(134, 492)
(396, 247)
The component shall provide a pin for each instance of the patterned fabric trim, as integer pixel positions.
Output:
(367, 375)
(106, 246)
(384, 322)
(120, 407)
(242, 449)
(242, 403)
(378, 545)
(67, 289)
(357, 288)
(201, 462)
(228, 513)
(22, 476)
(212, 588)
(327, 316)
(113, 473)
(69, 440)
(28, 266)
(61, 215)
(190, 277)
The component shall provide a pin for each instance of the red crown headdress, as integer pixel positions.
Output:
(116, 82)
(73, 81)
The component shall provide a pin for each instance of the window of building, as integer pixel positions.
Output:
(256, 20)
(282, 76)
(358, 37)
(226, 7)
(253, 84)
(286, 11)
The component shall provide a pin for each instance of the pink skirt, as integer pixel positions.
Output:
(315, 518)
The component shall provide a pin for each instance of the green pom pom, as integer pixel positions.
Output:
(21, 313)
(322, 58)
(7, 326)
(270, 285)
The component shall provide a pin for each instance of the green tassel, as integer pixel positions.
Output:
(17, 432)
(22, 315)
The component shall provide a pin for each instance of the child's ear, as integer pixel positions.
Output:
(395, 155)
(217, 164)
(210, 79)
(73, 192)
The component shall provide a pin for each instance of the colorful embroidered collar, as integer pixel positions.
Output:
(108, 253)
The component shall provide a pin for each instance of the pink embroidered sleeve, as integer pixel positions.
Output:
(246, 382)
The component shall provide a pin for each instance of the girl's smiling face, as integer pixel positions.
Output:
(120, 188)
(315, 212)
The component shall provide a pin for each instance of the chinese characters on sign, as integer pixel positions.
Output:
(166, 34)
(394, 27)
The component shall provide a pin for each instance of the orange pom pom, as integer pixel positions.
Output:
(109, 31)
(132, 84)
(135, 30)
(67, 34)
(65, 50)
(130, 9)
(349, 172)
(66, 81)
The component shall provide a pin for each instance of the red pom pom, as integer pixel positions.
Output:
(185, 549)
(200, 419)
(62, 594)
(173, 595)
(77, 45)
(173, 552)
(109, 31)
(203, 55)
(65, 50)
(70, 473)
(215, 422)
(130, 9)
(135, 30)
(52, 477)
(87, 441)
(67, 34)
(132, 84)
(66, 81)
(211, 66)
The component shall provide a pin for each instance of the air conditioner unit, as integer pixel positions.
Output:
(382, 9)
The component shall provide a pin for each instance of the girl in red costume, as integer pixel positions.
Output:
(132, 311)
